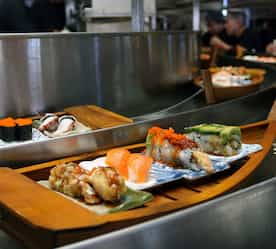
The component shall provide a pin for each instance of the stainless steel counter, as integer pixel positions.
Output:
(129, 73)
(251, 108)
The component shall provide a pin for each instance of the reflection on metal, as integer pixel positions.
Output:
(137, 15)
(196, 15)
(245, 219)
(123, 72)
(251, 109)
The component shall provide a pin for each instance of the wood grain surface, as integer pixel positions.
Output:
(97, 117)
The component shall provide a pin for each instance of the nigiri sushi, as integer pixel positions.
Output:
(49, 122)
(66, 123)
(176, 150)
(133, 167)
(139, 167)
(118, 158)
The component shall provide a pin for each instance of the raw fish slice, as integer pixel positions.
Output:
(66, 124)
(49, 122)
(118, 158)
(139, 167)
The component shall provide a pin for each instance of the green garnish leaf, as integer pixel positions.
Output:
(132, 199)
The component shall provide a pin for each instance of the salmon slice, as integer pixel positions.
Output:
(139, 167)
(118, 159)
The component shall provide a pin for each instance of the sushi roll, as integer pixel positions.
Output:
(176, 150)
(8, 129)
(216, 139)
(24, 129)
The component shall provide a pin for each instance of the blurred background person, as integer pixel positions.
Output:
(24, 16)
(215, 23)
(243, 39)
(246, 38)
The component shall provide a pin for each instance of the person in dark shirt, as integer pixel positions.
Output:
(15, 17)
(49, 15)
(246, 39)
(24, 16)
(215, 23)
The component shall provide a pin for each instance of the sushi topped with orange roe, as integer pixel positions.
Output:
(24, 129)
(15, 129)
(176, 150)
(8, 129)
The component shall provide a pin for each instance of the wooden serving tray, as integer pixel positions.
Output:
(230, 92)
(41, 218)
(93, 116)
(97, 117)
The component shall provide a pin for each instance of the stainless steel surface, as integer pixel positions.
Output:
(245, 219)
(123, 72)
(197, 100)
(196, 15)
(251, 108)
(137, 15)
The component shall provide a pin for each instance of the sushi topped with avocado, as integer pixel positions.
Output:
(215, 138)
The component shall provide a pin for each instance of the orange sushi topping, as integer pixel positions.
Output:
(133, 167)
(24, 121)
(118, 158)
(139, 167)
(7, 122)
(159, 135)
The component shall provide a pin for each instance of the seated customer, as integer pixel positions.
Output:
(215, 27)
(245, 39)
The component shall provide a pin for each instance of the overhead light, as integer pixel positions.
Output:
(224, 12)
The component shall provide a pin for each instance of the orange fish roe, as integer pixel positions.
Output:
(24, 121)
(7, 122)
(159, 135)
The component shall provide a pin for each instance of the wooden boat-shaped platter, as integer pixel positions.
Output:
(42, 218)
(229, 92)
